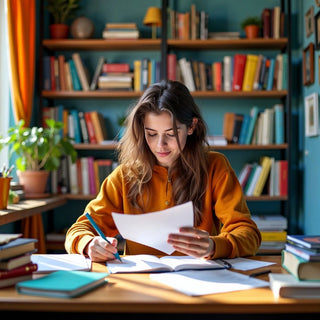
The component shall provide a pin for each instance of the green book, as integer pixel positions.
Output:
(62, 284)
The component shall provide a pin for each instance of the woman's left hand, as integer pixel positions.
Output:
(192, 242)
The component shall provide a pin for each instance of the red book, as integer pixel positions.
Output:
(115, 67)
(217, 76)
(89, 123)
(266, 23)
(239, 65)
(172, 66)
(19, 271)
(62, 74)
(283, 177)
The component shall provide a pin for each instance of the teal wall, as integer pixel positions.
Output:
(310, 146)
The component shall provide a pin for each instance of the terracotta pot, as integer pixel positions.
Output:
(252, 31)
(34, 182)
(59, 31)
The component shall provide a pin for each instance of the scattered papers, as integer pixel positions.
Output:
(153, 229)
(196, 283)
(244, 264)
(53, 262)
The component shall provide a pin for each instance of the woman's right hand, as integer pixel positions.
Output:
(99, 250)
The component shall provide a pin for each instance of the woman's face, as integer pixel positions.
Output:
(160, 137)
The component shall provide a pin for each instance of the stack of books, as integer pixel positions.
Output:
(121, 31)
(116, 76)
(273, 232)
(15, 259)
(301, 257)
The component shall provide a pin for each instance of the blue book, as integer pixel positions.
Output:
(244, 129)
(76, 125)
(279, 123)
(285, 72)
(271, 74)
(63, 284)
(17, 247)
(74, 76)
(46, 73)
(253, 118)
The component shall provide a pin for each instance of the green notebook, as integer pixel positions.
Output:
(62, 284)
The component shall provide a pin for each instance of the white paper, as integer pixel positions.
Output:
(53, 262)
(247, 264)
(196, 283)
(153, 229)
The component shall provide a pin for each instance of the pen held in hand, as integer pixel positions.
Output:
(117, 256)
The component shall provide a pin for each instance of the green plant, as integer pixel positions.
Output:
(38, 148)
(122, 120)
(254, 20)
(62, 10)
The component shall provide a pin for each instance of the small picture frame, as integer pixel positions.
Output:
(308, 65)
(311, 113)
(317, 30)
(317, 3)
(309, 21)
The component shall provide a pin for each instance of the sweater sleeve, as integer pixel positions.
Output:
(239, 235)
(108, 200)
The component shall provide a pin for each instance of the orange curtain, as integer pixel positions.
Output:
(21, 17)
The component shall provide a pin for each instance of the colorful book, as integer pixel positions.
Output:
(305, 254)
(300, 268)
(82, 73)
(253, 118)
(97, 72)
(266, 166)
(63, 284)
(239, 66)
(15, 262)
(17, 247)
(306, 241)
(249, 72)
(19, 271)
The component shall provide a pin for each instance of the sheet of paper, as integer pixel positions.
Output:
(53, 262)
(196, 283)
(247, 264)
(152, 229)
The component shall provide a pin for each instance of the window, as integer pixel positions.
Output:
(4, 81)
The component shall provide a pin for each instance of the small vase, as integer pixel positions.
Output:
(252, 31)
(34, 183)
(59, 31)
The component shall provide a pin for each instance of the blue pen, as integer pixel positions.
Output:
(101, 233)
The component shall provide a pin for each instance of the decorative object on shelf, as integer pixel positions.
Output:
(39, 151)
(308, 65)
(82, 28)
(121, 123)
(317, 3)
(317, 30)
(61, 10)
(251, 26)
(153, 19)
(309, 21)
(311, 115)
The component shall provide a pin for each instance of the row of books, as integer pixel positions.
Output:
(273, 22)
(84, 176)
(301, 257)
(267, 177)
(82, 127)
(189, 25)
(15, 259)
(260, 126)
(241, 72)
(121, 31)
(273, 229)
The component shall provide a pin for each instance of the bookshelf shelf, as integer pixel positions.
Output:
(102, 94)
(102, 44)
(223, 44)
(113, 146)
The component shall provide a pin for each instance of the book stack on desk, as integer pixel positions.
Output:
(301, 257)
(15, 259)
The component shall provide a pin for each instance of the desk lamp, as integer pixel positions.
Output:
(153, 19)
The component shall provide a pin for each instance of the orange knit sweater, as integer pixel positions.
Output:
(225, 213)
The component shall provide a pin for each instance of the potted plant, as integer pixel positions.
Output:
(62, 11)
(122, 124)
(39, 151)
(251, 26)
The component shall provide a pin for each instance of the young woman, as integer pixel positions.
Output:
(164, 161)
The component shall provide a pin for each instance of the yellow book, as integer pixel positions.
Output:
(266, 166)
(137, 75)
(249, 72)
(273, 235)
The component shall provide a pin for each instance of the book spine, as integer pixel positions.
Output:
(89, 123)
(74, 76)
(97, 72)
(46, 73)
(81, 71)
(239, 66)
(116, 67)
(62, 75)
(19, 271)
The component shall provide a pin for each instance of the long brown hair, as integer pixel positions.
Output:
(190, 168)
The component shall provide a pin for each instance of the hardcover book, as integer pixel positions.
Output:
(17, 247)
(305, 241)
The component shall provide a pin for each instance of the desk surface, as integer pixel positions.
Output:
(136, 293)
(27, 208)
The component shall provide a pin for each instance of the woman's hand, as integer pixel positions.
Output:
(192, 242)
(99, 250)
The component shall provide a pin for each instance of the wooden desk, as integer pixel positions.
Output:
(27, 208)
(137, 296)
